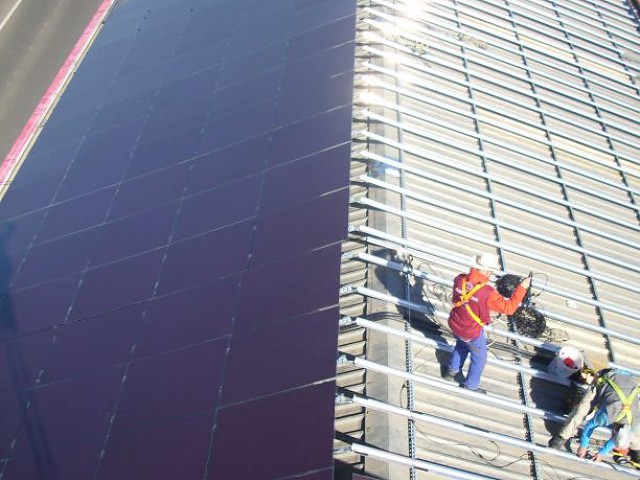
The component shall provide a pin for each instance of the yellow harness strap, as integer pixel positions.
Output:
(466, 296)
(626, 401)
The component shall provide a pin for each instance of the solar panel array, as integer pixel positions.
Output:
(500, 126)
(172, 243)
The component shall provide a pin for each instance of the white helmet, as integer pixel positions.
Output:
(485, 261)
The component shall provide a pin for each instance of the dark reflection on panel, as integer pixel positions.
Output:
(85, 177)
(228, 164)
(119, 112)
(117, 284)
(257, 61)
(327, 168)
(320, 96)
(148, 191)
(205, 312)
(50, 162)
(80, 347)
(220, 28)
(283, 362)
(314, 228)
(164, 152)
(17, 234)
(213, 255)
(247, 429)
(322, 38)
(24, 199)
(57, 258)
(134, 234)
(264, 288)
(42, 306)
(77, 214)
(68, 461)
(319, 133)
(163, 122)
(226, 130)
(211, 209)
(81, 415)
(245, 93)
(176, 448)
(172, 243)
(165, 375)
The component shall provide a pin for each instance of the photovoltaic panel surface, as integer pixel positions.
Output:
(170, 249)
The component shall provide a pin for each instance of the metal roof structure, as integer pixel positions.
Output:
(494, 125)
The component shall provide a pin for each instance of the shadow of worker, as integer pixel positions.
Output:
(8, 325)
(20, 376)
(427, 322)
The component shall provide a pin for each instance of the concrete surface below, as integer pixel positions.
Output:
(35, 39)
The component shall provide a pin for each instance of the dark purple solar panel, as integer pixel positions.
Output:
(68, 412)
(170, 249)
(283, 362)
(171, 385)
(57, 258)
(205, 312)
(173, 448)
(296, 418)
(210, 210)
(80, 347)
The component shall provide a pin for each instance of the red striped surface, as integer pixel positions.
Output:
(18, 149)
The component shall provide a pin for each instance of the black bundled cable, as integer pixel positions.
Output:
(526, 320)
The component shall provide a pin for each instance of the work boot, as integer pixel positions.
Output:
(558, 442)
(448, 375)
(478, 390)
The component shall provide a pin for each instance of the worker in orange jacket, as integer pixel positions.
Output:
(473, 301)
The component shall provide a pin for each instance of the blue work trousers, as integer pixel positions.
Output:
(478, 350)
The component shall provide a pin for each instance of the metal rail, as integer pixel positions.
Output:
(373, 404)
(423, 133)
(415, 463)
(452, 66)
(445, 347)
(486, 91)
(433, 278)
(497, 58)
(494, 45)
(420, 251)
(449, 228)
(499, 223)
(487, 398)
(424, 154)
(500, 199)
(430, 100)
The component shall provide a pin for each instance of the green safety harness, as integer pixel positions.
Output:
(466, 296)
(627, 401)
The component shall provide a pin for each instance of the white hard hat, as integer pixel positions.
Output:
(485, 261)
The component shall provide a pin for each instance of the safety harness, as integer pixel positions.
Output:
(626, 401)
(466, 296)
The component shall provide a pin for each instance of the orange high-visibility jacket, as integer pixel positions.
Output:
(471, 312)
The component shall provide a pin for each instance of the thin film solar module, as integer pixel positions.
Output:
(172, 249)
